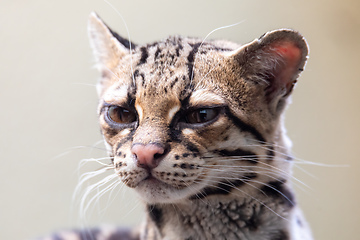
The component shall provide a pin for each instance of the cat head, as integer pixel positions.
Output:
(177, 103)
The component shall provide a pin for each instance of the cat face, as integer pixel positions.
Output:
(187, 119)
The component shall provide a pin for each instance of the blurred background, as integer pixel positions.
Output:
(48, 104)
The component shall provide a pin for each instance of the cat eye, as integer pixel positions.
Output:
(201, 115)
(121, 115)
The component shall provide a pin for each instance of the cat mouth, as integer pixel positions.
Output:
(151, 178)
(157, 186)
(153, 190)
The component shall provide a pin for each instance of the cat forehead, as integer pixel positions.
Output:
(180, 42)
(118, 95)
(177, 62)
(182, 65)
(178, 51)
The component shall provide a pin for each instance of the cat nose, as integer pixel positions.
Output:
(147, 156)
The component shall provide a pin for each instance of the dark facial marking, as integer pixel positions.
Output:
(158, 50)
(124, 140)
(186, 92)
(271, 153)
(191, 58)
(111, 132)
(185, 155)
(253, 223)
(183, 165)
(174, 82)
(130, 100)
(250, 156)
(144, 55)
(280, 235)
(277, 190)
(137, 74)
(126, 43)
(245, 127)
(185, 102)
(178, 49)
(175, 135)
(156, 215)
(224, 187)
(191, 147)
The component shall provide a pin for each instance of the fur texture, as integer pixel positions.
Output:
(196, 128)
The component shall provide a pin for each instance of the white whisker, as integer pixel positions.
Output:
(97, 160)
(85, 203)
(85, 177)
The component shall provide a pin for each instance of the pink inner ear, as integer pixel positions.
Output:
(289, 51)
(291, 57)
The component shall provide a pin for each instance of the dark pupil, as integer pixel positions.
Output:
(201, 115)
(121, 115)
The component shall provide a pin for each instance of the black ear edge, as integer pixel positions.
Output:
(123, 41)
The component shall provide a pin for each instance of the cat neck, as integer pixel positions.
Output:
(227, 218)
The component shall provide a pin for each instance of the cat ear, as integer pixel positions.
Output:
(275, 61)
(107, 45)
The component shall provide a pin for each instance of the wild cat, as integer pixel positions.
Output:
(196, 128)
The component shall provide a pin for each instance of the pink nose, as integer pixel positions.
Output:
(147, 156)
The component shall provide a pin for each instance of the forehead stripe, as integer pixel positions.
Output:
(191, 58)
(144, 55)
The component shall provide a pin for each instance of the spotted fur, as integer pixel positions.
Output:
(225, 177)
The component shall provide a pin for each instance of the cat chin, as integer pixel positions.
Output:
(154, 191)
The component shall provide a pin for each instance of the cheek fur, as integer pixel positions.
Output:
(216, 132)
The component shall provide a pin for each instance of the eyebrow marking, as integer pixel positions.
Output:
(187, 131)
(172, 112)
(139, 111)
(116, 95)
(124, 132)
(203, 97)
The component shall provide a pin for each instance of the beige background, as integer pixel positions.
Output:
(48, 104)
